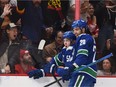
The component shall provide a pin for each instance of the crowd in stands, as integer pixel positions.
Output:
(23, 24)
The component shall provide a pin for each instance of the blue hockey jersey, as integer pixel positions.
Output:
(64, 58)
(85, 52)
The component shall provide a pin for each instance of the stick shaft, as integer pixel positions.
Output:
(99, 60)
(57, 80)
(52, 83)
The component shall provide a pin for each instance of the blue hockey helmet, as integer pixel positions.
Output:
(69, 35)
(79, 23)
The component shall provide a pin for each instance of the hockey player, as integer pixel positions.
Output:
(61, 60)
(85, 51)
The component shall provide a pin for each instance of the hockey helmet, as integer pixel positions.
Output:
(69, 35)
(79, 23)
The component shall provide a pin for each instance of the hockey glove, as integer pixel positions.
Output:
(50, 68)
(36, 74)
(64, 73)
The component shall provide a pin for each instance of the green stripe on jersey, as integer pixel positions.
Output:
(88, 71)
(57, 61)
(79, 81)
(82, 51)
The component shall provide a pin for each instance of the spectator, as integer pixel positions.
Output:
(35, 53)
(107, 68)
(54, 48)
(31, 20)
(6, 11)
(91, 19)
(9, 49)
(92, 24)
(111, 47)
(106, 22)
(25, 63)
(83, 9)
(48, 35)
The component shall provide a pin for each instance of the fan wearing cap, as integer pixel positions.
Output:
(25, 63)
(12, 31)
(9, 49)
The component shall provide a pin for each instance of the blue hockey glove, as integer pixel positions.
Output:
(49, 68)
(36, 74)
(64, 73)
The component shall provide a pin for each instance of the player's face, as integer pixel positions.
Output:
(67, 42)
(77, 31)
(106, 64)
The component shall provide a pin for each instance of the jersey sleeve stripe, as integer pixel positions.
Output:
(57, 61)
(82, 51)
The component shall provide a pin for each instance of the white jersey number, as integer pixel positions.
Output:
(82, 42)
(69, 58)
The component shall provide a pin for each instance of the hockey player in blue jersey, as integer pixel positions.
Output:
(85, 51)
(60, 61)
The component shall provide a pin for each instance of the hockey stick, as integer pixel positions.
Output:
(93, 63)
(52, 82)
(57, 80)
